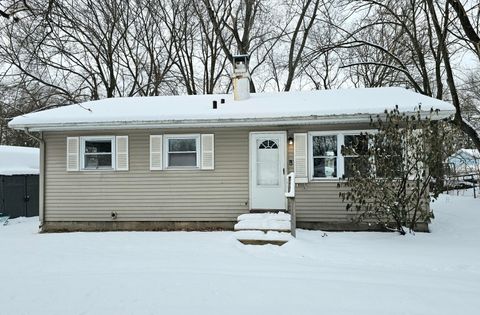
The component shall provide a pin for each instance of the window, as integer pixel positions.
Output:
(388, 156)
(98, 153)
(182, 151)
(268, 144)
(324, 150)
(335, 155)
(353, 146)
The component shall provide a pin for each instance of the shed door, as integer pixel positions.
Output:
(267, 170)
(19, 195)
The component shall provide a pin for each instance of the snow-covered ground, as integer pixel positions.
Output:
(212, 273)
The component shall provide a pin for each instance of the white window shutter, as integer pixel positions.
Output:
(156, 145)
(121, 153)
(300, 154)
(208, 152)
(73, 154)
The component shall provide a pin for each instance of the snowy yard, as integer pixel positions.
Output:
(211, 273)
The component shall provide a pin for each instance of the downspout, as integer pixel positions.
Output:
(41, 193)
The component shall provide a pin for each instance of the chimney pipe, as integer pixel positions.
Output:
(241, 77)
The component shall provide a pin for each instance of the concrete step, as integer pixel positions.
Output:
(252, 237)
(263, 228)
(262, 242)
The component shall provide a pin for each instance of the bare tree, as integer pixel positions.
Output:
(147, 53)
(306, 13)
(470, 29)
(19, 98)
(441, 31)
(250, 26)
(70, 52)
(413, 35)
(91, 49)
(200, 62)
(400, 34)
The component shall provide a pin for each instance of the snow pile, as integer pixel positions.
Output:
(211, 273)
(19, 160)
(281, 216)
(172, 109)
(263, 225)
(263, 221)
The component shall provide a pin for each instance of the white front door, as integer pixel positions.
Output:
(267, 170)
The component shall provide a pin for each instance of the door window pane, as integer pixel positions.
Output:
(268, 144)
(268, 169)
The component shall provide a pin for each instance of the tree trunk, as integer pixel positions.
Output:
(458, 120)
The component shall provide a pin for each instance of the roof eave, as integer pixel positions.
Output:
(211, 123)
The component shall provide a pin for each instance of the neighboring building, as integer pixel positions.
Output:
(465, 161)
(19, 169)
(198, 162)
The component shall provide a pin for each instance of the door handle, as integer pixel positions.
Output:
(283, 170)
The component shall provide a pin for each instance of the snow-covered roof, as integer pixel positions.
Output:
(472, 153)
(325, 106)
(19, 160)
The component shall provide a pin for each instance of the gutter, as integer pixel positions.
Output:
(41, 194)
(214, 123)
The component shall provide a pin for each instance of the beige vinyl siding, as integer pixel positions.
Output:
(319, 202)
(141, 194)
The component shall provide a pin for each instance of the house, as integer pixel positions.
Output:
(463, 170)
(201, 161)
(19, 169)
(465, 162)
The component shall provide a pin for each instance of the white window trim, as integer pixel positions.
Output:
(195, 136)
(340, 134)
(82, 153)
